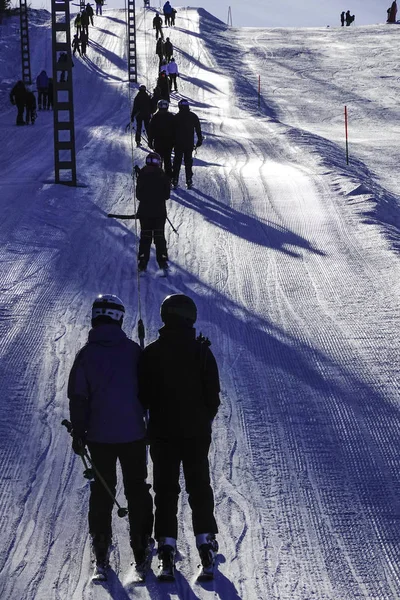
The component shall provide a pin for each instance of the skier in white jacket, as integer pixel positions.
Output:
(173, 73)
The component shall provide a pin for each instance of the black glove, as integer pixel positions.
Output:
(78, 444)
(199, 143)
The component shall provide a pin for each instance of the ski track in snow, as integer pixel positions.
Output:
(292, 259)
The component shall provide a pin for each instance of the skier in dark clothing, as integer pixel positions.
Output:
(30, 104)
(160, 50)
(167, 10)
(157, 25)
(182, 401)
(141, 111)
(342, 18)
(186, 123)
(85, 22)
(161, 135)
(163, 84)
(155, 99)
(106, 416)
(152, 190)
(173, 16)
(76, 44)
(349, 18)
(64, 60)
(50, 93)
(42, 84)
(168, 49)
(18, 98)
(392, 12)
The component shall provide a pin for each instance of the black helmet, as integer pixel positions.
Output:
(178, 309)
(183, 104)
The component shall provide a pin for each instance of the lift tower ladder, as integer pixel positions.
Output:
(132, 63)
(63, 110)
(25, 53)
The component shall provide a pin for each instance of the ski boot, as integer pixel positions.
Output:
(166, 555)
(207, 546)
(174, 182)
(142, 265)
(143, 558)
(189, 183)
(101, 549)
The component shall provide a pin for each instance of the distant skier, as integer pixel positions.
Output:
(186, 123)
(161, 135)
(160, 50)
(173, 16)
(78, 23)
(349, 18)
(168, 49)
(152, 191)
(18, 99)
(167, 10)
(183, 400)
(90, 12)
(141, 111)
(42, 85)
(99, 7)
(342, 18)
(155, 99)
(173, 74)
(30, 104)
(84, 43)
(76, 45)
(65, 61)
(157, 25)
(392, 12)
(50, 94)
(107, 417)
(85, 23)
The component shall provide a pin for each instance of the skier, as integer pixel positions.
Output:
(152, 191)
(107, 417)
(157, 25)
(42, 85)
(76, 44)
(349, 18)
(64, 60)
(185, 124)
(99, 7)
(141, 111)
(18, 97)
(50, 92)
(84, 43)
(163, 83)
(173, 73)
(392, 12)
(168, 49)
(85, 23)
(90, 12)
(173, 16)
(342, 18)
(30, 104)
(156, 97)
(182, 400)
(167, 10)
(161, 135)
(160, 50)
(78, 23)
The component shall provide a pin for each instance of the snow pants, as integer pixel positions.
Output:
(132, 458)
(42, 97)
(140, 121)
(186, 154)
(167, 456)
(20, 114)
(165, 153)
(152, 229)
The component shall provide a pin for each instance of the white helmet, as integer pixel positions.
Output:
(108, 305)
(163, 104)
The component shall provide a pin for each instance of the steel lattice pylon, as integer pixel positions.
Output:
(25, 53)
(132, 68)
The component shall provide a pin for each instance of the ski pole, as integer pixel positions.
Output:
(122, 512)
(173, 228)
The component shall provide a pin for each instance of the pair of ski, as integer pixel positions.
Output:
(189, 186)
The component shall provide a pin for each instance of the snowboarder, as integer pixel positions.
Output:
(141, 111)
(30, 104)
(392, 12)
(157, 25)
(106, 416)
(163, 83)
(99, 7)
(168, 49)
(173, 73)
(161, 135)
(152, 191)
(186, 123)
(167, 10)
(18, 98)
(76, 44)
(42, 85)
(342, 18)
(182, 400)
(349, 18)
(90, 12)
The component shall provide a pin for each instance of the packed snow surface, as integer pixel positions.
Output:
(292, 257)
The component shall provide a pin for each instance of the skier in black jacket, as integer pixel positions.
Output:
(18, 98)
(152, 190)
(141, 111)
(185, 124)
(179, 385)
(161, 135)
(157, 25)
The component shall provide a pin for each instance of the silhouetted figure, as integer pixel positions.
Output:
(392, 12)
(349, 18)
(18, 98)
(168, 49)
(141, 111)
(342, 19)
(30, 104)
(42, 84)
(90, 12)
(157, 25)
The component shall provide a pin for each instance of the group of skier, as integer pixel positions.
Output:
(24, 98)
(346, 17)
(81, 38)
(169, 19)
(112, 385)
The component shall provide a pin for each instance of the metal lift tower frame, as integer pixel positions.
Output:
(132, 62)
(25, 53)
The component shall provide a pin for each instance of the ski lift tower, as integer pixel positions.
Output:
(132, 64)
(63, 105)
(25, 53)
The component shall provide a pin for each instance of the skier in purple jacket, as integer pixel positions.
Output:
(107, 416)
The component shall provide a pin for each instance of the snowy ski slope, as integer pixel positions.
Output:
(292, 257)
